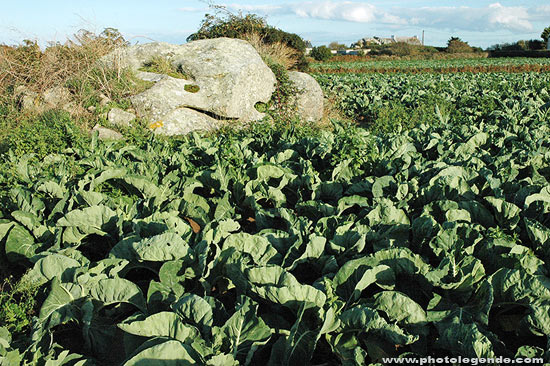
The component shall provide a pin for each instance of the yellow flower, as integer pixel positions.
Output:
(157, 124)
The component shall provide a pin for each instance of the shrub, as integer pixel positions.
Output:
(277, 52)
(281, 102)
(321, 53)
(52, 132)
(241, 27)
(337, 46)
(17, 305)
(456, 45)
(522, 45)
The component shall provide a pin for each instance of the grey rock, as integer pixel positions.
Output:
(229, 73)
(107, 134)
(165, 96)
(28, 99)
(182, 121)
(56, 97)
(103, 100)
(119, 117)
(310, 98)
(150, 76)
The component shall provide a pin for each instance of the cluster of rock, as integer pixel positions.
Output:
(226, 79)
(54, 98)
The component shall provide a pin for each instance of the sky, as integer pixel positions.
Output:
(481, 23)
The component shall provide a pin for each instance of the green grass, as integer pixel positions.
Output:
(160, 65)
(51, 132)
(18, 301)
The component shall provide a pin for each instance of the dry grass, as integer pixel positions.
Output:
(277, 52)
(40, 70)
(73, 66)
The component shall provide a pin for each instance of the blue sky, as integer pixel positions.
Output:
(481, 23)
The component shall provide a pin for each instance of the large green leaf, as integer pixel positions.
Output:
(118, 290)
(302, 252)
(275, 284)
(195, 310)
(96, 217)
(259, 248)
(54, 266)
(506, 213)
(222, 360)
(518, 286)
(243, 333)
(400, 308)
(356, 275)
(464, 339)
(164, 324)
(298, 347)
(142, 184)
(27, 202)
(169, 353)
(100, 220)
(363, 319)
(60, 306)
(159, 248)
(20, 244)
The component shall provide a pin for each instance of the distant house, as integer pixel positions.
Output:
(387, 40)
(409, 40)
(353, 52)
(369, 41)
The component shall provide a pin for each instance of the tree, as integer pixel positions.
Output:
(226, 24)
(545, 34)
(321, 53)
(456, 45)
(336, 46)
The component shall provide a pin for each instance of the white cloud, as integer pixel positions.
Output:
(515, 17)
(488, 18)
(362, 13)
(345, 10)
(329, 10)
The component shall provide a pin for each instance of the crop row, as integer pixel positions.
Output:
(343, 69)
(453, 98)
(281, 248)
(452, 65)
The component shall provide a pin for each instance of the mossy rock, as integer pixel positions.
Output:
(191, 88)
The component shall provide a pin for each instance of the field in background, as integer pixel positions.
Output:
(362, 65)
(421, 228)
(397, 101)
